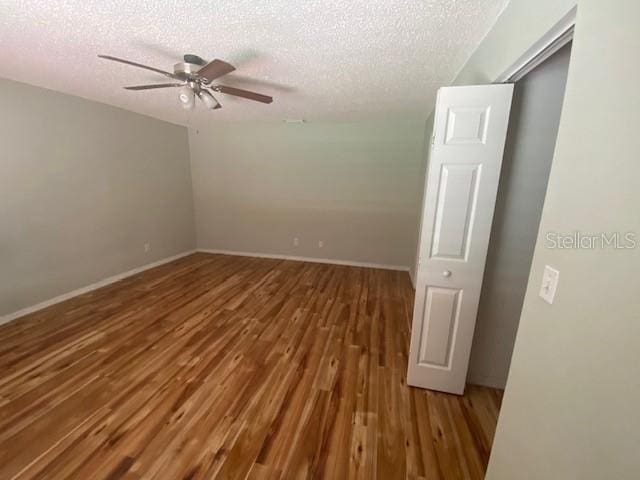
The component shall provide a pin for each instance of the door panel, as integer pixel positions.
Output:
(467, 125)
(441, 311)
(462, 180)
(454, 210)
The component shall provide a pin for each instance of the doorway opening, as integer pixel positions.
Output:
(531, 137)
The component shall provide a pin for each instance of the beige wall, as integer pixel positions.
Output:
(570, 407)
(82, 187)
(355, 186)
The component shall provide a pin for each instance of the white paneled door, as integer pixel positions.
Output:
(462, 180)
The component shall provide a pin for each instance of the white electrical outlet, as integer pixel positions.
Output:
(320, 244)
(549, 285)
(147, 247)
(296, 242)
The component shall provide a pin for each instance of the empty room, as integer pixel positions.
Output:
(319, 240)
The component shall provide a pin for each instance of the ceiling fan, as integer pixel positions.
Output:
(194, 78)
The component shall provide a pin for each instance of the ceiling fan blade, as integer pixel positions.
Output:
(215, 69)
(149, 87)
(238, 92)
(139, 65)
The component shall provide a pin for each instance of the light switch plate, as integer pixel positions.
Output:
(549, 285)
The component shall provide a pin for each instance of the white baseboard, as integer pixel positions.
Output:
(107, 281)
(412, 277)
(402, 268)
(79, 291)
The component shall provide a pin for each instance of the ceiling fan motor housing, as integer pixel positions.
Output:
(194, 59)
(186, 70)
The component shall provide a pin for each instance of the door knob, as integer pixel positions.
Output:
(446, 273)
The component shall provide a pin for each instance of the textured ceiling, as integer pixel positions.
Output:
(319, 59)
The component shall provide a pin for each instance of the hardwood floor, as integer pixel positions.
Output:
(228, 367)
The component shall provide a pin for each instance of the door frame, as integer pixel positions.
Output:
(559, 35)
(553, 40)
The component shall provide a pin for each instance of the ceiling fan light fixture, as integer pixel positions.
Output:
(209, 100)
(187, 98)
